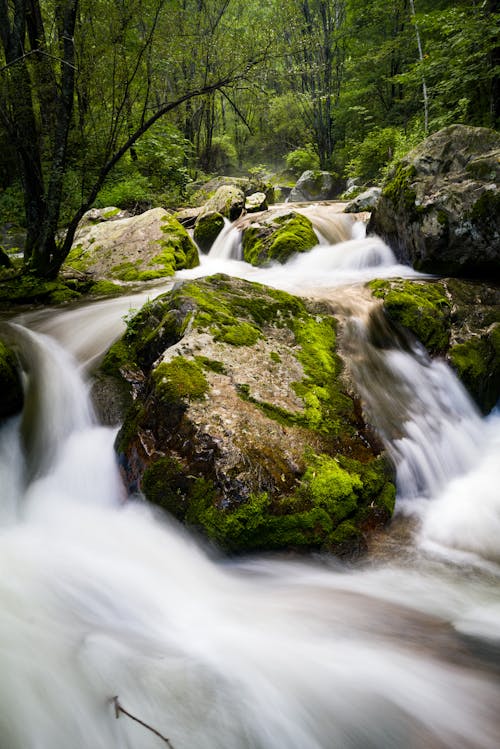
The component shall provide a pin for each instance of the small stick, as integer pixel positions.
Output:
(119, 709)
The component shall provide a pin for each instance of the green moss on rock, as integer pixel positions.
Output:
(207, 228)
(279, 239)
(477, 364)
(179, 379)
(422, 308)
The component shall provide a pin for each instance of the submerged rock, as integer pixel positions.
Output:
(242, 425)
(440, 206)
(151, 245)
(457, 319)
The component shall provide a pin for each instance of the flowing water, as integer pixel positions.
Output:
(103, 597)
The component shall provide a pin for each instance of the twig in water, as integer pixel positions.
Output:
(119, 709)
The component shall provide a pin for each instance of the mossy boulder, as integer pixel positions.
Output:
(207, 228)
(277, 236)
(457, 319)
(140, 248)
(11, 387)
(242, 425)
(440, 206)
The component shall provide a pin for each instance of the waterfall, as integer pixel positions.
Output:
(103, 597)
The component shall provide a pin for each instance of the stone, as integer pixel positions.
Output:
(316, 185)
(228, 200)
(440, 206)
(139, 248)
(256, 202)
(365, 201)
(242, 426)
(277, 236)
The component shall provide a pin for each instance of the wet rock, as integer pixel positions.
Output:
(440, 206)
(242, 425)
(255, 202)
(457, 319)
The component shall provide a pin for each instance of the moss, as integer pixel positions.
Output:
(179, 379)
(106, 288)
(423, 308)
(287, 235)
(398, 188)
(164, 484)
(211, 364)
(207, 228)
(178, 249)
(28, 289)
(276, 358)
(323, 513)
(477, 364)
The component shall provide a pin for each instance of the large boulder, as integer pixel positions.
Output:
(11, 387)
(457, 319)
(440, 206)
(365, 201)
(316, 185)
(151, 245)
(276, 236)
(228, 200)
(243, 426)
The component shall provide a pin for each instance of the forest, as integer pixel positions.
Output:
(134, 103)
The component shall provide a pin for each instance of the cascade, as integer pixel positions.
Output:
(103, 597)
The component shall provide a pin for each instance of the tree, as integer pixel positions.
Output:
(51, 95)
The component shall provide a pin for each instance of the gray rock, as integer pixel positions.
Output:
(365, 201)
(255, 202)
(440, 206)
(315, 185)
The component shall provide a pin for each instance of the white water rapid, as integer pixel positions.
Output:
(102, 597)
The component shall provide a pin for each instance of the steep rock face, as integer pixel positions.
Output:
(440, 207)
(11, 388)
(276, 236)
(151, 245)
(242, 425)
(457, 319)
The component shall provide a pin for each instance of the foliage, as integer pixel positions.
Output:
(301, 160)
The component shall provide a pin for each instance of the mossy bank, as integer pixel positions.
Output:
(241, 426)
(457, 319)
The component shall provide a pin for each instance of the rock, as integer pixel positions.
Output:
(277, 236)
(228, 201)
(207, 228)
(440, 206)
(11, 387)
(248, 185)
(365, 201)
(98, 215)
(256, 202)
(187, 216)
(151, 245)
(242, 426)
(315, 185)
(457, 319)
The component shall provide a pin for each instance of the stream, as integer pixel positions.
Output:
(113, 614)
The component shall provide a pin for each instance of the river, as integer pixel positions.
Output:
(111, 612)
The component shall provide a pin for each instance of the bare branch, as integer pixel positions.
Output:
(119, 709)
